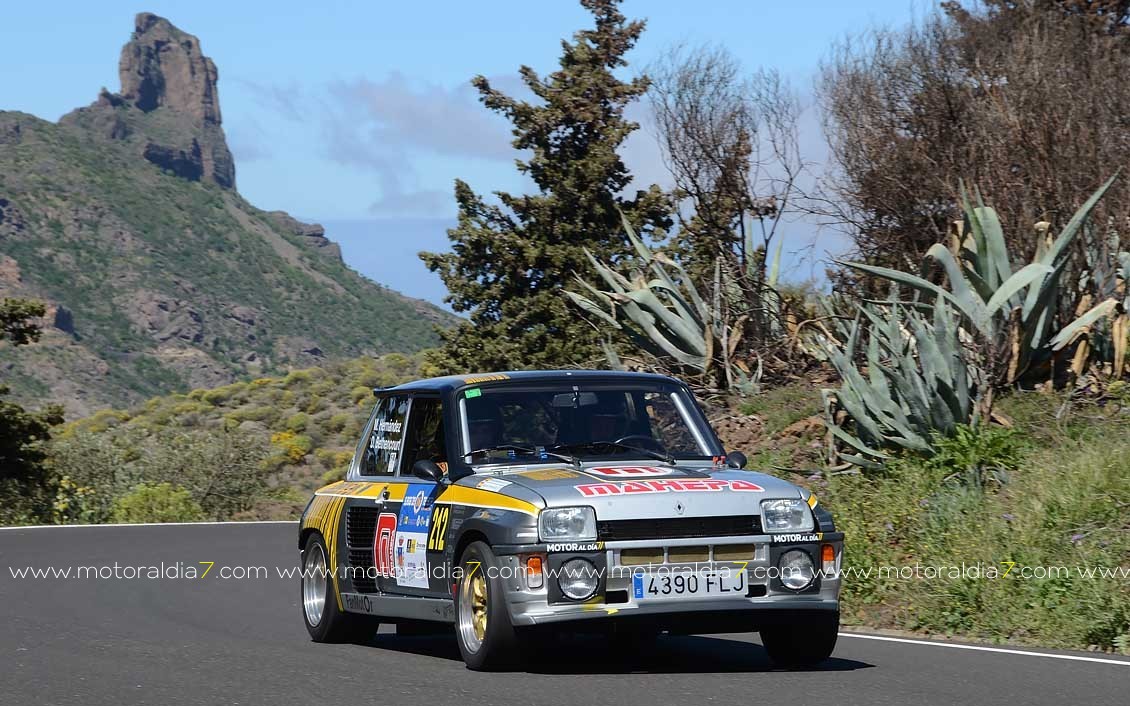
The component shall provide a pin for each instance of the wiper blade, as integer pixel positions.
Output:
(518, 448)
(657, 455)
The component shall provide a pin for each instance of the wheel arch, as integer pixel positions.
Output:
(465, 539)
(304, 536)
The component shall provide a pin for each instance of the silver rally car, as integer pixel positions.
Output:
(509, 504)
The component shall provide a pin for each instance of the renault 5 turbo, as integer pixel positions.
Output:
(512, 504)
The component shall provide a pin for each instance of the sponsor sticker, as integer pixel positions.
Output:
(575, 547)
(473, 393)
(357, 602)
(384, 544)
(797, 538)
(492, 484)
(670, 485)
(477, 379)
(412, 537)
(629, 471)
(549, 474)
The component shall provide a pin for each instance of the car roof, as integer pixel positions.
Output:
(450, 383)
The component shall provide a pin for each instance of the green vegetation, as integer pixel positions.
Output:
(1051, 493)
(16, 320)
(24, 435)
(1010, 314)
(243, 451)
(510, 263)
(913, 382)
(170, 283)
(163, 502)
(669, 318)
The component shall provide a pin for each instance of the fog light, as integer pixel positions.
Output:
(578, 579)
(534, 577)
(797, 571)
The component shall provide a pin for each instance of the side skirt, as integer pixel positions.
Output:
(411, 607)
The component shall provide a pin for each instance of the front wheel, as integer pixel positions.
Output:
(487, 640)
(804, 643)
(324, 620)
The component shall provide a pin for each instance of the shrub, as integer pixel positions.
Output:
(223, 470)
(338, 422)
(297, 422)
(163, 502)
(360, 394)
(1063, 506)
(216, 397)
(293, 446)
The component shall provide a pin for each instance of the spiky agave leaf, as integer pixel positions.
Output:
(917, 382)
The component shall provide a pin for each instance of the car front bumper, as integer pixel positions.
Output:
(767, 602)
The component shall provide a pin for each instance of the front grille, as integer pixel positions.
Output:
(360, 530)
(678, 527)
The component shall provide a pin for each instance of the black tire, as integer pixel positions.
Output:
(804, 643)
(493, 645)
(331, 624)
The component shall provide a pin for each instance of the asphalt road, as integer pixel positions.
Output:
(216, 640)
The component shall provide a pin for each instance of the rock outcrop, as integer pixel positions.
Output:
(168, 103)
(163, 67)
(313, 234)
(124, 220)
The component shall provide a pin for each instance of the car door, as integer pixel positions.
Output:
(415, 558)
(378, 461)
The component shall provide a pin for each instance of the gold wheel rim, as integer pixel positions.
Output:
(479, 605)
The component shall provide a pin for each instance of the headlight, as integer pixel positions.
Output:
(578, 580)
(786, 516)
(567, 524)
(797, 571)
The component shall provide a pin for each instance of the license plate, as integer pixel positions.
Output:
(687, 584)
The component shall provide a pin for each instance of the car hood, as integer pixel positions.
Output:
(634, 490)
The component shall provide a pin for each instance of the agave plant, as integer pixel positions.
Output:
(996, 301)
(667, 317)
(1115, 311)
(917, 382)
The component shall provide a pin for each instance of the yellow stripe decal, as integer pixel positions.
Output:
(812, 501)
(335, 520)
(453, 495)
(362, 489)
(324, 515)
(476, 497)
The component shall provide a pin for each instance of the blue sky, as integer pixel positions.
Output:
(359, 115)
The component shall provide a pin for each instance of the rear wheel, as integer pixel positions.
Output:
(324, 620)
(804, 643)
(487, 640)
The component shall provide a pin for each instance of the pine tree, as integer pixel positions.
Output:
(23, 434)
(510, 261)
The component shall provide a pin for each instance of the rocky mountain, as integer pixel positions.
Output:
(125, 219)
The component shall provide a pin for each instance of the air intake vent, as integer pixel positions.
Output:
(360, 529)
(678, 527)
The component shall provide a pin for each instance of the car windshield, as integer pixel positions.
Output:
(506, 424)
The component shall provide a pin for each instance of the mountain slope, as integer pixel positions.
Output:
(125, 219)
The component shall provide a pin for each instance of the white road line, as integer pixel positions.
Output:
(157, 524)
(980, 648)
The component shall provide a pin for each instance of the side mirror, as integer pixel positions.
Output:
(736, 459)
(427, 470)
